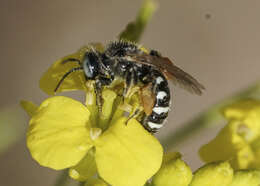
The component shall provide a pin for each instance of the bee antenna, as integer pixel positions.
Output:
(71, 60)
(66, 75)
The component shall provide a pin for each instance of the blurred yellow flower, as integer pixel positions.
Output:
(239, 141)
(173, 171)
(213, 174)
(221, 173)
(246, 178)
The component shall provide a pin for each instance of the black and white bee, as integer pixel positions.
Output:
(135, 66)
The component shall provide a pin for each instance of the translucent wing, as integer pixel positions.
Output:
(171, 71)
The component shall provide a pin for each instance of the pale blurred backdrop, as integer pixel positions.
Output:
(217, 41)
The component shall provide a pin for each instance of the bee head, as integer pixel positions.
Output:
(91, 65)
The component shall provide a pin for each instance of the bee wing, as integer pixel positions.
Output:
(184, 80)
(172, 72)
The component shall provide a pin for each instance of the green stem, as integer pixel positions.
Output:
(135, 29)
(208, 118)
(62, 178)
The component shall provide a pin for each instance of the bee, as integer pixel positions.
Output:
(136, 66)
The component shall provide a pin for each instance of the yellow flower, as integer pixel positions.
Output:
(239, 140)
(61, 135)
(246, 178)
(64, 133)
(173, 171)
(214, 174)
(221, 173)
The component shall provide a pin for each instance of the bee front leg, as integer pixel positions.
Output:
(99, 83)
(98, 91)
(128, 83)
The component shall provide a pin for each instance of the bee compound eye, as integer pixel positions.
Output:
(90, 65)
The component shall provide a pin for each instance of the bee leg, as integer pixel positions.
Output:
(98, 91)
(134, 115)
(99, 83)
(128, 84)
(131, 80)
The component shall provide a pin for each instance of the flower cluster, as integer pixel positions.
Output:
(239, 140)
(106, 149)
(175, 172)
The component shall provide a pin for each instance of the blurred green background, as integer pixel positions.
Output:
(216, 41)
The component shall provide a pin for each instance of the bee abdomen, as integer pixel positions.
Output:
(156, 119)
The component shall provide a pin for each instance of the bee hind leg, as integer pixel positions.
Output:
(131, 80)
(128, 84)
(134, 115)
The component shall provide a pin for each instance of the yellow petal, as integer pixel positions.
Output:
(243, 159)
(228, 145)
(29, 107)
(174, 171)
(214, 174)
(256, 150)
(85, 169)
(247, 112)
(127, 154)
(51, 78)
(223, 147)
(58, 136)
(74, 81)
(246, 178)
(95, 182)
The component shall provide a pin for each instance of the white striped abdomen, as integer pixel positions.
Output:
(156, 119)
